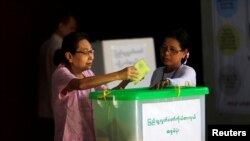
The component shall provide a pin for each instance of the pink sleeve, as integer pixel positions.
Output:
(60, 80)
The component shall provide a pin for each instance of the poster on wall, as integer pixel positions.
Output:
(114, 55)
(231, 46)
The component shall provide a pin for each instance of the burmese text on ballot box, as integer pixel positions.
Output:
(141, 114)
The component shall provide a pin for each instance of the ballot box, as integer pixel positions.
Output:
(142, 114)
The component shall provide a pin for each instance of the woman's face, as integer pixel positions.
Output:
(83, 57)
(171, 52)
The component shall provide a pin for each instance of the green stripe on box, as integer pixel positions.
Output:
(147, 94)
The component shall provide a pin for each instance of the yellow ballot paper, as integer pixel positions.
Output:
(143, 69)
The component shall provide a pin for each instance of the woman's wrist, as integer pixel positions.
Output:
(167, 81)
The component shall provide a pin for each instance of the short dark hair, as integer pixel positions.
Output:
(62, 16)
(69, 44)
(181, 36)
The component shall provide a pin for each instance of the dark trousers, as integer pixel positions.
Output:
(45, 129)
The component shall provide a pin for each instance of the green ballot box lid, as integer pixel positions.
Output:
(146, 93)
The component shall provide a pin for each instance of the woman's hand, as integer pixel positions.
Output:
(160, 85)
(128, 73)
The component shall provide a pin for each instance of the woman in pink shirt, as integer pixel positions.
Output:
(72, 82)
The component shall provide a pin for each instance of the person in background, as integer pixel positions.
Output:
(72, 82)
(65, 24)
(174, 54)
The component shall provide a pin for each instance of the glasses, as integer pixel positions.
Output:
(171, 51)
(86, 52)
